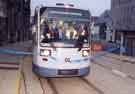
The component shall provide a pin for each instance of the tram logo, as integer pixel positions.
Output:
(68, 60)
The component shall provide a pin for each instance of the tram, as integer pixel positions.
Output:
(61, 41)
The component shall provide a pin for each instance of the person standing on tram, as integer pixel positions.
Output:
(45, 32)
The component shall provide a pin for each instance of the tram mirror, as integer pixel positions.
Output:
(34, 39)
(42, 21)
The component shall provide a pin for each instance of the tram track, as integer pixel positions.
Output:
(42, 85)
(102, 64)
(48, 81)
(52, 86)
(55, 87)
(120, 59)
(92, 85)
(24, 81)
(115, 66)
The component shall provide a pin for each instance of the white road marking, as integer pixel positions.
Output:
(119, 73)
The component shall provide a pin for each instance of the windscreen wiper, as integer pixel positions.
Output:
(80, 42)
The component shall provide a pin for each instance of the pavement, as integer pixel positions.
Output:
(8, 52)
(9, 67)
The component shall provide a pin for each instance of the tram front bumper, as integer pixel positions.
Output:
(46, 72)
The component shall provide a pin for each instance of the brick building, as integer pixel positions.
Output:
(123, 14)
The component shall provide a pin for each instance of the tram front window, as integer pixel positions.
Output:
(65, 34)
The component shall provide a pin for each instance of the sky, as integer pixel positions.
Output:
(96, 7)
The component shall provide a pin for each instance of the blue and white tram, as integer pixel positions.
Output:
(61, 42)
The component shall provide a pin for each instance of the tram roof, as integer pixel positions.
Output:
(84, 15)
(65, 7)
(62, 5)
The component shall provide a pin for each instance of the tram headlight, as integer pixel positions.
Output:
(45, 52)
(85, 53)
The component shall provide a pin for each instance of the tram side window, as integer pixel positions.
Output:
(45, 32)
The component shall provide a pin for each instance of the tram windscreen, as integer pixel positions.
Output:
(64, 34)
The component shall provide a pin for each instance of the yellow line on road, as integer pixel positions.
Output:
(18, 79)
(18, 82)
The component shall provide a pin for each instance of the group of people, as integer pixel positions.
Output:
(65, 31)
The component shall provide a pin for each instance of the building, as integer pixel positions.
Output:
(106, 17)
(3, 20)
(94, 28)
(16, 20)
(102, 26)
(123, 15)
(105, 21)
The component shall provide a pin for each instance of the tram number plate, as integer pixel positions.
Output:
(68, 72)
